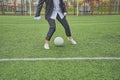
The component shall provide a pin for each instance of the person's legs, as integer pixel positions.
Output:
(67, 29)
(52, 29)
(65, 25)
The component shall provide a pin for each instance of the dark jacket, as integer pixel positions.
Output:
(49, 7)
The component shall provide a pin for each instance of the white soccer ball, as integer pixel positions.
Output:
(59, 41)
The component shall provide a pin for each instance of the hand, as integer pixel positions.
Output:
(37, 18)
(65, 13)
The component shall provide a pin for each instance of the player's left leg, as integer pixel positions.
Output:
(67, 29)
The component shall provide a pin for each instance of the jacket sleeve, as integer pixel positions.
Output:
(39, 7)
(64, 7)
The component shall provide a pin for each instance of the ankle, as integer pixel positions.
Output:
(70, 38)
(46, 41)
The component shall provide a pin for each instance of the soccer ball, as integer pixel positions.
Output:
(59, 41)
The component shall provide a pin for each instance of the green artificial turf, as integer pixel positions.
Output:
(24, 37)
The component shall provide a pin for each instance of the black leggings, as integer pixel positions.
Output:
(52, 27)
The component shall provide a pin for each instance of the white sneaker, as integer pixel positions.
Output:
(73, 41)
(37, 18)
(46, 46)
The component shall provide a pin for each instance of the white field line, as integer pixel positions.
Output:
(58, 59)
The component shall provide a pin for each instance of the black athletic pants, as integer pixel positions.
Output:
(52, 27)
